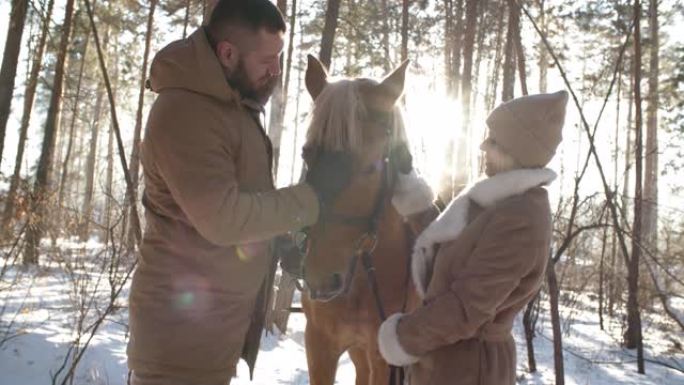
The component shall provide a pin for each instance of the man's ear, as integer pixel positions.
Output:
(227, 54)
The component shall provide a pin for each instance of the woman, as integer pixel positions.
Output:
(494, 241)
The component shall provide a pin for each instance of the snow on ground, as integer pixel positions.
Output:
(39, 310)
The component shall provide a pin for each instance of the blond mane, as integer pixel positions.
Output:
(335, 121)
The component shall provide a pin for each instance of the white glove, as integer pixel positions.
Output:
(411, 194)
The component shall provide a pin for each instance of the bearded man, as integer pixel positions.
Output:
(200, 290)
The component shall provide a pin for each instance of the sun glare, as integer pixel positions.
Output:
(432, 125)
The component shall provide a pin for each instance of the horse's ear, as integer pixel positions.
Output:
(392, 86)
(316, 76)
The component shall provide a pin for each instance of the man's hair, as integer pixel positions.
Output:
(250, 15)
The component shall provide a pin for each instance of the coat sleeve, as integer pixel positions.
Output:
(199, 171)
(500, 259)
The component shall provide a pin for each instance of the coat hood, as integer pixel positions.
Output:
(191, 64)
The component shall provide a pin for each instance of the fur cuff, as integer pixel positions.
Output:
(388, 341)
(411, 194)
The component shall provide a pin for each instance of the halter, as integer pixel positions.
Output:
(365, 245)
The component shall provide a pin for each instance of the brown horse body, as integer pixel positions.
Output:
(350, 322)
(357, 116)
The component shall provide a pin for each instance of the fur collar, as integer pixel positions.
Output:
(450, 223)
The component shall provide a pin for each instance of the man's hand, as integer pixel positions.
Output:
(329, 174)
(290, 255)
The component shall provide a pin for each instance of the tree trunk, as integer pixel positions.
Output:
(467, 85)
(448, 41)
(650, 203)
(10, 59)
(528, 326)
(29, 97)
(277, 115)
(509, 55)
(479, 44)
(494, 80)
(328, 37)
(457, 40)
(36, 229)
(135, 152)
(601, 284)
(633, 337)
(91, 159)
(468, 48)
(543, 55)
(520, 54)
(387, 59)
(72, 125)
(115, 124)
(290, 50)
(612, 294)
(186, 19)
(109, 191)
(554, 293)
(404, 29)
(300, 60)
(88, 195)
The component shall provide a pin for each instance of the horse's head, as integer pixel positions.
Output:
(357, 116)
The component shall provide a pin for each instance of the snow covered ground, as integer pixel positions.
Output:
(40, 312)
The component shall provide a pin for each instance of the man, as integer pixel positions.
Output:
(210, 202)
(494, 242)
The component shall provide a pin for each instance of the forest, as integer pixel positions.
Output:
(73, 108)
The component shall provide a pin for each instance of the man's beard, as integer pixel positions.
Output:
(239, 80)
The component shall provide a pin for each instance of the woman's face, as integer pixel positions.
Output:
(495, 158)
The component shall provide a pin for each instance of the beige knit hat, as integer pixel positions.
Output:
(529, 128)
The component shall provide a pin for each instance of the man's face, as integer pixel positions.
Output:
(254, 69)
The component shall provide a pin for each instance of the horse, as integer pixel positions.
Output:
(356, 267)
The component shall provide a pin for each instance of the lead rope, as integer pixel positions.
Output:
(397, 374)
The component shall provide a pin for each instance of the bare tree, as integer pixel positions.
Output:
(650, 203)
(633, 337)
(29, 97)
(493, 82)
(543, 56)
(72, 125)
(404, 29)
(290, 50)
(10, 59)
(509, 56)
(88, 195)
(135, 223)
(186, 19)
(520, 54)
(387, 62)
(135, 151)
(329, 28)
(456, 51)
(278, 103)
(468, 48)
(41, 186)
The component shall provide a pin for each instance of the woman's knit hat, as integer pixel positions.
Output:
(529, 128)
